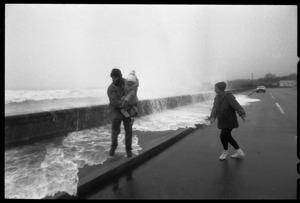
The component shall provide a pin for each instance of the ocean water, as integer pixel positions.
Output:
(44, 168)
(32, 101)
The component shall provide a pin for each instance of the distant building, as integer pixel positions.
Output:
(275, 84)
(287, 83)
(271, 84)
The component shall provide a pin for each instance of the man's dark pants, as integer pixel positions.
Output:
(116, 129)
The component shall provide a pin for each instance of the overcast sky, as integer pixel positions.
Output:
(57, 46)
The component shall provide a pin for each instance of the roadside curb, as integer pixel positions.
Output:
(102, 178)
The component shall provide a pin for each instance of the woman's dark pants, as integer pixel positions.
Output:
(226, 138)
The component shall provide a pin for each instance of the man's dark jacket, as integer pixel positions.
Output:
(115, 93)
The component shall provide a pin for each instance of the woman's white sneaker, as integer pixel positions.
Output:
(239, 154)
(224, 155)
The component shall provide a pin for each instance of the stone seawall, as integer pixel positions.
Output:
(28, 128)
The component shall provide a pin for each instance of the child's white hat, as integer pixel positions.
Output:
(131, 77)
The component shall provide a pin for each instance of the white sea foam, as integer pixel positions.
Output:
(244, 100)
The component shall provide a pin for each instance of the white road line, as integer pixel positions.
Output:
(280, 109)
(272, 95)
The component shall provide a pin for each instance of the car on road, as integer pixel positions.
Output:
(261, 89)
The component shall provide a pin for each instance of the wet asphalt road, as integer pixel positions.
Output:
(190, 169)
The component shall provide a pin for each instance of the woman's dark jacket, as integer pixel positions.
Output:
(224, 108)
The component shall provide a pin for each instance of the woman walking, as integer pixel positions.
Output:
(224, 108)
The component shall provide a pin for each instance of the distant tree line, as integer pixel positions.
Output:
(270, 80)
